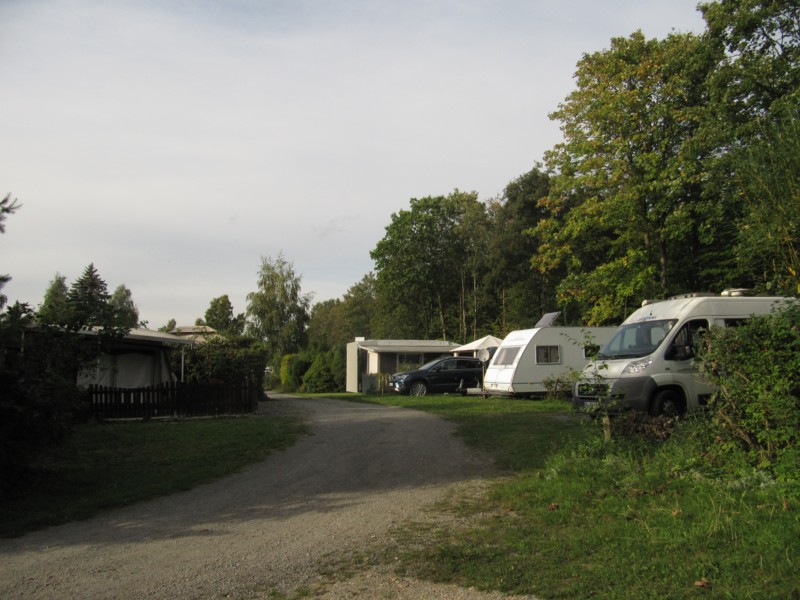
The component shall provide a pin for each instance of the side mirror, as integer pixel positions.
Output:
(681, 352)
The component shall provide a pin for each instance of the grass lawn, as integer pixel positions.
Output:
(105, 465)
(584, 519)
(576, 518)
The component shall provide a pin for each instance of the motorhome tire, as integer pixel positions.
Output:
(418, 388)
(665, 402)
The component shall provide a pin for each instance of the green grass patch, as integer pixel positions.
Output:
(113, 464)
(584, 519)
(519, 434)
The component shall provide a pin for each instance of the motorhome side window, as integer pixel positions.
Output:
(687, 338)
(735, 322)
(548, 355)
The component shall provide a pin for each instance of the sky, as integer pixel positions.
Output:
(175, 144)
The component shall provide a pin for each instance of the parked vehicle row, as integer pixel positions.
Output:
(648, 363)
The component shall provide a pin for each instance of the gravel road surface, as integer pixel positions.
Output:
(278, 527)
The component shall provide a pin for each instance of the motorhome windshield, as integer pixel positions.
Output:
(637, 339)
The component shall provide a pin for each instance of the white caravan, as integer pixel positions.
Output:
(649, 365)
(529, 357)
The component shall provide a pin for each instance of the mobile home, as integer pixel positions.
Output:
(649, 364)
(527, 358)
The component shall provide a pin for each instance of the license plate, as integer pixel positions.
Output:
(591, 404)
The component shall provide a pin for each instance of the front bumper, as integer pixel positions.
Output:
(614, 395)
(399, 387)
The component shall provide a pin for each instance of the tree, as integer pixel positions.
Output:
(122, 303)
(170, 326)
(219, 316)
(89, 302)
(761, 66)
(277, 312)
(360, 308)
(521, 294)
(767, 178)
(628, 215)
(327, 325)
(7, 207)
(54, 308)
(423, 263)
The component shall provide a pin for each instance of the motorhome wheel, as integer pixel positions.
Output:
(665, 402)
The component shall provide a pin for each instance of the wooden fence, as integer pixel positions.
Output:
(174, 400)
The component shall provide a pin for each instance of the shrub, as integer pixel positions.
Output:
(560, 386)
(326, 373)
(756, 410)
(39, 396)
(226, 360)
(319, 377)
(293, 367)
(635, 425)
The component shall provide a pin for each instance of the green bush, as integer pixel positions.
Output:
(326, 373)
(39, 397)
(756, 410)
(224, 360)
(319, 378)
(293, 367)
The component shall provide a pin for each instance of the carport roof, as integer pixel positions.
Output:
(407, 346)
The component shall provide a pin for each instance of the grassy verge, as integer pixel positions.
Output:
(114, 464)
(584, 519)
(520, 434)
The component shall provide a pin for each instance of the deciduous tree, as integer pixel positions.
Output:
(7, 207)
(220, 316)
(423, 262)
(520, 294)
(627, 210)
(55, 306)
(127, 313)
(277, 311)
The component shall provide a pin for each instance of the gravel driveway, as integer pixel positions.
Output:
(278, 526)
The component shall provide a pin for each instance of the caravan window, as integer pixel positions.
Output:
(506, 356)
(548, 355)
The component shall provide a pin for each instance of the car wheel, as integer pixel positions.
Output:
(665, 402)
(418, 388)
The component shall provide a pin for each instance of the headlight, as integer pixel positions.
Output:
(637, 366)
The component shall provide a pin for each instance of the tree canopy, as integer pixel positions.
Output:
(277, 311)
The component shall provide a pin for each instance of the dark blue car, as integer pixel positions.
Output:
(440, 376)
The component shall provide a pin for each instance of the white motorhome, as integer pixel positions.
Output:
(650, 366)
(528, 357)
